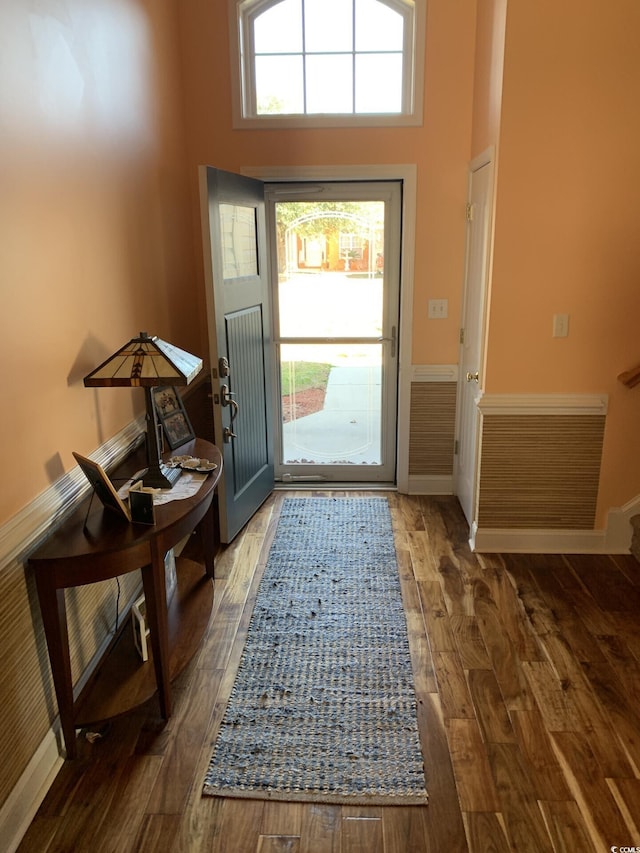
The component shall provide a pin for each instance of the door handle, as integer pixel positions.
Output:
(473, 377)
(226, 398)
(391, 340)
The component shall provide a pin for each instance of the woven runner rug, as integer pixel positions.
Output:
(323, 708)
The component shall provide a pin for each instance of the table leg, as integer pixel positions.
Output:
(54, 620)
(153, 581)
(207, 530)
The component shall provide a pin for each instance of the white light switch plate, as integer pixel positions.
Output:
(560, 325)
(438, 309)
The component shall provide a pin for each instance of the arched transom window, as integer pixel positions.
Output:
(317, 59)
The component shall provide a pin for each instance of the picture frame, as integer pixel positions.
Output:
(102, 485)
(172, 416)
(141, 505)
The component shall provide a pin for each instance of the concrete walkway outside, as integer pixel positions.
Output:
(347, 430)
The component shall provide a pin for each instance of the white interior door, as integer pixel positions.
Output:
(470, 383)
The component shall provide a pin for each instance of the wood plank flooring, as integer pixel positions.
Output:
(527, 673)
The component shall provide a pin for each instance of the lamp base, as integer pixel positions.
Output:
(161, 477)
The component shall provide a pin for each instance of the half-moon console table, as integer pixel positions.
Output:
(108, 546)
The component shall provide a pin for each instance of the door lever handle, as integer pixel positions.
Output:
(391, 340)
(226, 398)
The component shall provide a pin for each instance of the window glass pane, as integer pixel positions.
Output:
(332, 304)
(279, 85)
(377, 26)
(379, 83)
(328, 25)
(329, 84)
(330, 262)
(238, 236)
(279, 29)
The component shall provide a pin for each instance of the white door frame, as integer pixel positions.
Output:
(407, 173)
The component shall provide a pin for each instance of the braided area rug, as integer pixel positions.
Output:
(323, 707)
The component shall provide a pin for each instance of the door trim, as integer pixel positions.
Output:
(407, 173)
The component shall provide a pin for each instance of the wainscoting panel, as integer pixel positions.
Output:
(29, 708)
(540, 470)
(432, 426)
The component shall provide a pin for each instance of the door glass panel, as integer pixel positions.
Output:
(238, 237)
(331, 319)
(331, 404)
(330, 268)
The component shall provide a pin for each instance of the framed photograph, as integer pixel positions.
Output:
(141, 505)
(102, 485)
(172, 416)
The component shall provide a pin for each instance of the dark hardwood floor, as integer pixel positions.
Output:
(527, 672)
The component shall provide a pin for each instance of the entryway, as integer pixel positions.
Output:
(348, 327)
(335, 273)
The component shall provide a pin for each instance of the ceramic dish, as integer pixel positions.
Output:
(192, 463)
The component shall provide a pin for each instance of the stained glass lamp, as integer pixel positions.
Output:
(148, 362)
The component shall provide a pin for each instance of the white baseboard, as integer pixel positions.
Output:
(23, 802)
(614, 539)
(497, 541)
(440, 485)
(619, 531)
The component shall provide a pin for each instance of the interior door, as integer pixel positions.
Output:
(236, 269)
(473, 330)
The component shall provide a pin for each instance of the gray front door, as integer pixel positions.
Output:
(239, 341)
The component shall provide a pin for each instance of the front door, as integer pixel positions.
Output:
(335, 274)
(473, 330)
(236, 270)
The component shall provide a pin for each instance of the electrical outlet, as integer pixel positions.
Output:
(438, 309)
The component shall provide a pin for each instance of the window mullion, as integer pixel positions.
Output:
(353, 56)
(304, 57)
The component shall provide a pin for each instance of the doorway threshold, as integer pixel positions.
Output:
(326, 486)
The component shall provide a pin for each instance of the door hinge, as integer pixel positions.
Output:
(461, 336)
(469, 212)
(456, 447)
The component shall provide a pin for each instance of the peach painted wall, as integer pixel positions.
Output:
(566, 232)
(440, 148)
(96, 241)
(489, 67)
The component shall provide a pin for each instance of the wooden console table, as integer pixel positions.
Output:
(109, 546)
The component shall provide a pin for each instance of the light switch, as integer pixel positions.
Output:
(560, 325)
(438, 309)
